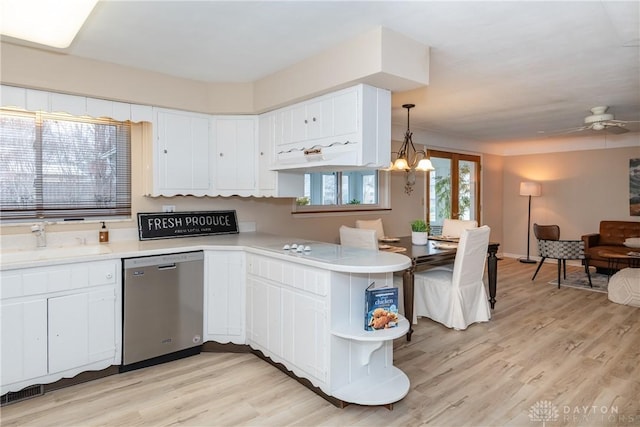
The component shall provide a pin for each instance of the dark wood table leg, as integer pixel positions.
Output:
(407, 285)
(492, 266)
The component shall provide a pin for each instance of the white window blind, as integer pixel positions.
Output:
(63, 167)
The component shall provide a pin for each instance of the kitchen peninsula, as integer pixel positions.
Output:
(302, 309)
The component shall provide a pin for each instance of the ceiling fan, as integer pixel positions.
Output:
(601, 120)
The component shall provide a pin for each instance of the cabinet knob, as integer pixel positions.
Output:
(109, 275)
(165, 151)
(314, 119)
(221, 155)
(305, 121)
(262, 153)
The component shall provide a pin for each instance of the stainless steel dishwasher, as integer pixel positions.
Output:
(162, 308)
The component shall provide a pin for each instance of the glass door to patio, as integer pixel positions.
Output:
(454, 188)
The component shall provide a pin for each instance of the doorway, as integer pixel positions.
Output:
(453, 190)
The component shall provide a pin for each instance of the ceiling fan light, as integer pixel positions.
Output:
(597, 126)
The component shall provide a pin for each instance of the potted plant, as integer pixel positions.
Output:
(419, 232)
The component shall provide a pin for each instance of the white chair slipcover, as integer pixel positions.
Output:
(358, 237)
(456, 298)
(372, 224)
(454, 227)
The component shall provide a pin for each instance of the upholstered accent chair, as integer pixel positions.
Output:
(546, 232)
(550, 246)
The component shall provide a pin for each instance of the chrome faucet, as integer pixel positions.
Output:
(40, 233)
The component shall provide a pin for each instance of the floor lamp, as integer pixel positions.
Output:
(529, 189)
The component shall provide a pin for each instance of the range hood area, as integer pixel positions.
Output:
(350, 128)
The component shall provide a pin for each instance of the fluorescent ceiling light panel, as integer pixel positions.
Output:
(49, 22)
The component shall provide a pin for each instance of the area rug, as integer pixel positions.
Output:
(579, 280)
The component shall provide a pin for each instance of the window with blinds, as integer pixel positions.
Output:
(55, 166)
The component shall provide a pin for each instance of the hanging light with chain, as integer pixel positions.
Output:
(409, 159)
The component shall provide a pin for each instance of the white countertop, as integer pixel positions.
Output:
(322, 255)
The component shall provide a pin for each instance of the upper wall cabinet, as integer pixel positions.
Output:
(347, 128)
(201, 155)
(235, 155)
(52, 102)
(180, 155)
(273, 183)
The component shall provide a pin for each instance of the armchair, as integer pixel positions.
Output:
(562, 250)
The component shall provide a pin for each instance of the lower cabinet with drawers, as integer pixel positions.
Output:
(58, 321)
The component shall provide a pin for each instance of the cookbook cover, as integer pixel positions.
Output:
(381, 308)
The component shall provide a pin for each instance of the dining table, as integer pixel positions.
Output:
(438, 251)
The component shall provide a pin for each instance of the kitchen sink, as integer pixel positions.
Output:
(52, 253)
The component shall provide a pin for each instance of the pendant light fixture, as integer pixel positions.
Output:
(409, 159)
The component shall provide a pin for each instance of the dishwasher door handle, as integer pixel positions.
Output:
(167, 266)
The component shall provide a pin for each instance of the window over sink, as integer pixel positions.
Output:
(58, 166)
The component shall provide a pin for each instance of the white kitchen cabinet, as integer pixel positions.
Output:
(307, 121)
(26, 99)
(13, 96)
(347, 128)
(181, 154)
(235, 155)
(224, 305)
(37, 100)
(312, 321)
(346, 112)
(120, 111)
(304, 320)
(266, 177)
(59, 321)
(264, 321)
(24, 340)
(70, 104)
(287, 315)
(81, 329)
(272, 183)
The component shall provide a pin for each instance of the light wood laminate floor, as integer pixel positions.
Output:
(571, 350)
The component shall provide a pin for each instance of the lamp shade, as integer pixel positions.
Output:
(401, 164)
(425, 165)
(528, 188)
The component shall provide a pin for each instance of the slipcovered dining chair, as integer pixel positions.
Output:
(456, 298)
(562, 250)
(454, 227)
(358, 237)
(372, 224)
